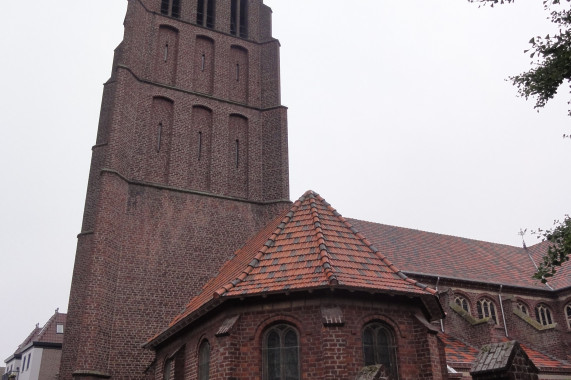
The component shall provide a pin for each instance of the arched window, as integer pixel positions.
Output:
(522, 307)
(379, 348)
(204, 361)
(486, 308)
(568, 315)
(543, 315)
(167, 370)
(170, 8)
(281, 353)
(462, 302)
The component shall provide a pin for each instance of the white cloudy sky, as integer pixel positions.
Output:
(399, 113)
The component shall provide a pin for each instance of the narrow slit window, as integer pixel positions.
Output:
(203, 62)
(159, 136)
(199, 145)
(210, 11)
(166, 57)
(237, 72)
(200, 12)
(233, 17)
(243, 19)
(237, 153)
(170, 8)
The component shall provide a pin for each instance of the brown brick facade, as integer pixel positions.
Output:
(325, 351)
(190, 161)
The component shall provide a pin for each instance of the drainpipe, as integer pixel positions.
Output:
(441, 322)
(502, 308)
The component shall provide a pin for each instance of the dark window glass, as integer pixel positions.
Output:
(200, 12)
(243, 18)
(486, 308)
(379, 348)
(175, 8)
(167, 370)
(165, 7)
(543, 315)
(281, 354)
(204, 361)
(233, 16)
(210, 14)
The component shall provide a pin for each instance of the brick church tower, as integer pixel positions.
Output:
(190, 161)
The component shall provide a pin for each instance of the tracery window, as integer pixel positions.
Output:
(281, 353)
(204, 361)
(379, 347)
(522, 307)
(568, 315)
(543, 315)
(487, 309)
(171, 8)
(462, 302)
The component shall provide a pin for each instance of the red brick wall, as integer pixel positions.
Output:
(326, 352)
(158, 224)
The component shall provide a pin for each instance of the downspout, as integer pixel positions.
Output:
(441, 322)
(502, 308)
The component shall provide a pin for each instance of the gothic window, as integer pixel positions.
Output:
(462, 302)
(568, 315)
(522, 307)
(239, 18)
(281, 353)
(379, 347)
(204, 361)
(543, 315)
(171, 8)
(167, 370)
(205, 13)
(486, 308)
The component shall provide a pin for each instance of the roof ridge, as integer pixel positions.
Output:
(261, 252)
(324, 254)
(382, 257)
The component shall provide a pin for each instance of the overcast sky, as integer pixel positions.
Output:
(399, 113)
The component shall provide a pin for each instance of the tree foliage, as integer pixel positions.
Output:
(559, 249)
(550, 68)
(550, 55)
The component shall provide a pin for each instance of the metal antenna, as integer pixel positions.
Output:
(522, 234)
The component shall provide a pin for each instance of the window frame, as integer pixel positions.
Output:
(459, 300)
(522, 307)
(567, 314)
(204, 345)
(543, 315)
(392, 347)
(487, 306)
(282, 329)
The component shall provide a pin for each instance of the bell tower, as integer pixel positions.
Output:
(190, 161)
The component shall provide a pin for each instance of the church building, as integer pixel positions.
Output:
(193, 263)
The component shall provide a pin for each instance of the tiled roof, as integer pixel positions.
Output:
(46, 334)
(419, 252)
(495, 357)
(310, 247)
(458, 353)
(546, 363)
(462, 355)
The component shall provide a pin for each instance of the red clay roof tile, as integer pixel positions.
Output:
(298, 251)
(419, 252)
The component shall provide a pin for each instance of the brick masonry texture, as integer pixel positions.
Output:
(190, 161)
(326, 352)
